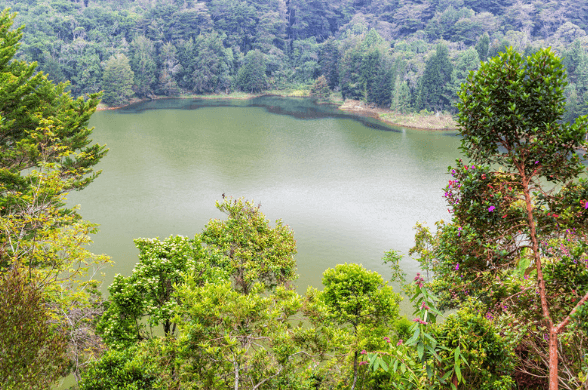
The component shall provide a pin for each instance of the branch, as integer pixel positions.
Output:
(567, 320)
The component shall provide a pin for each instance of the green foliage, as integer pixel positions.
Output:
(143, 65)
(213, 65)
(248, 248)
(473, 350)
(167, 83)
(45, 154)
(149, 291)
(366, 71)
(118, 79)
(434, 88)
(229, 339)
(482, 47)
(33, 350)
(320, 88)
(523, 104)
(468, 61)
(504, 244)
(463, 351)
(356, 297)
(251, 77)
(127, 369)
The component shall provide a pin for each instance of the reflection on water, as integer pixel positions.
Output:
(302, 108)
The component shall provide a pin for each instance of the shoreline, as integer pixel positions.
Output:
(416, 121)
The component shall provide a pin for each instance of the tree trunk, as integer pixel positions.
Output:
(354, 370)
(553, 359)
(553, 353)
(236, 365)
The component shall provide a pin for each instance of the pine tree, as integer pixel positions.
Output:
(401, 99)
(434, 87)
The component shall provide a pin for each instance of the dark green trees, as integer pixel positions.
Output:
(45, 153)
(251, 77)
(366, 71)
(118, 80)
(143, 65)
(434, 92)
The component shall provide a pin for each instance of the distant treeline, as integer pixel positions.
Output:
(408, 55)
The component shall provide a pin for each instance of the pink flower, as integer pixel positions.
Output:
(362, 363)
(387, 339)
(363, 352)
(457, 267)
(491, 208)
(399, 342)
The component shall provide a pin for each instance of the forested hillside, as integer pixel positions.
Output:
(407, 54)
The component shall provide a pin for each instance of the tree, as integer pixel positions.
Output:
(40, 124)
(143, 65)
(329, 62)
(434, 93)
(130, 368)
(248, 248)
(149, 291)
(482, 47)
(467, 62)
(320, 89)
(510, 115)
(170, 67)
(34, 352)
(402, 96)
(251, 76)
(235, 340)
(45, 153)
(213, 63)
(466, 349)
(118, 80)
(358, 298)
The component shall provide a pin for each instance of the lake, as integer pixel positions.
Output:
(350, 187)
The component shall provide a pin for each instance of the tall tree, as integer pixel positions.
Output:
(358, 298)
(169, 68)
(212, 65)
(118, 80)
(143, 65)
(45, 152)
(329, 62)
(510, 115)
(434, 92)
(249, 248)
(482, 46)
(251, 76)
(466, 62)
(34, 354)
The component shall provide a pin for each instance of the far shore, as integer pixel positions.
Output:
(418, 121)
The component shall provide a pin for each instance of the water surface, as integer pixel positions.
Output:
(351, 188)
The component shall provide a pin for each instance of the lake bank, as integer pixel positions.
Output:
(417, 121)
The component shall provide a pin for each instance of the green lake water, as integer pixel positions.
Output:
(351, 188)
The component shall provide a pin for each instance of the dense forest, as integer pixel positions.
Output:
(502, 301)
(410, 55)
